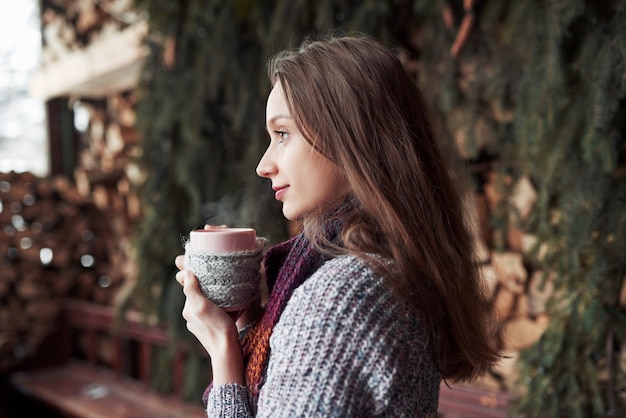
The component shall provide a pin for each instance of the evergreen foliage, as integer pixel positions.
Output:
(570, 136)
(559, 68)
(539, 89)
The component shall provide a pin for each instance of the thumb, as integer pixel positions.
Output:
(211, 227)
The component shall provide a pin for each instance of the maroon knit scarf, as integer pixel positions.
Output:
(287, 266)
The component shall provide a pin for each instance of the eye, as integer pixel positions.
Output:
(282, 135)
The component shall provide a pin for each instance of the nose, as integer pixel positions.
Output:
(266, 167)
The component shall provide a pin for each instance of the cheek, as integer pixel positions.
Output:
(334, 182)
(335, 175)
(341, 181)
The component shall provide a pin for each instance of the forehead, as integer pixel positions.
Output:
(276, 104)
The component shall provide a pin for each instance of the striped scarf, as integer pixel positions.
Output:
(287, 266)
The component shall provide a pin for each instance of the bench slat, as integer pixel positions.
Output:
(465, 402)
(81, 390)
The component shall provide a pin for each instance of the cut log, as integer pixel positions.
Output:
(522, 333)
(540, 289)
(523, 197)
(507, 368)
(503, 304)
(494, 188)
(510, 270)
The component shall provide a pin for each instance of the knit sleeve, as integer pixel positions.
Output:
(228, 401)
(346, 346)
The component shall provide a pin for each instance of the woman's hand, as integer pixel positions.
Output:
(213, 327)
(204, 319)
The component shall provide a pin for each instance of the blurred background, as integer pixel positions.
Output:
(23, 143)
(125, 124)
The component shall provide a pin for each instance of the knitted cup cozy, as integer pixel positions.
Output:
(230, 280)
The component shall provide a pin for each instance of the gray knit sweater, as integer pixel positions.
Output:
(345, 346)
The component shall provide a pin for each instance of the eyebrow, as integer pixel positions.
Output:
(280, 116)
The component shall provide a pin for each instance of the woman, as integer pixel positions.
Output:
(379, 298)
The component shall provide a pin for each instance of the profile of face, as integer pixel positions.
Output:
(302, 178)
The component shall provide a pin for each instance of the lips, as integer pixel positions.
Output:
(279, 191)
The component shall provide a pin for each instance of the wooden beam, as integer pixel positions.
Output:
(109, 65)
(61, 137)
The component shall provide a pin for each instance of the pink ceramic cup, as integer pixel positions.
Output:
(223, 240)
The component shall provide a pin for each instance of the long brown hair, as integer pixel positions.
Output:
(354, 102)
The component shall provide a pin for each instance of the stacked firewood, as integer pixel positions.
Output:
(71, 25)
(107, 172)
(104, 172)
(518, 293)
(65, 238)
(54, 244)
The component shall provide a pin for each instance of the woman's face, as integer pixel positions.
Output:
(302, 178)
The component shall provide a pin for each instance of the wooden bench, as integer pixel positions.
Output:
(83, 387)
(462, 401)
(86, 386)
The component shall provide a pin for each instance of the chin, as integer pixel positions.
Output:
(292, 215)
(288, 214)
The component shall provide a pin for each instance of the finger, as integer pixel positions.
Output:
(190, 284)
(196, 304)
(180, 262)
(209, 227)
(180, 277)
